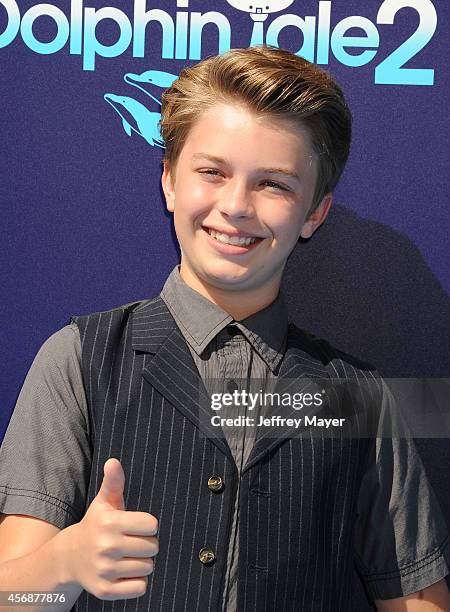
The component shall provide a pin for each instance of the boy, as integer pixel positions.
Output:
(256, 140)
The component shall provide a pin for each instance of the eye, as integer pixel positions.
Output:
(276, 185)
(209, 172)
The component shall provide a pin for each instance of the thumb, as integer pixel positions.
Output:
(113, 483)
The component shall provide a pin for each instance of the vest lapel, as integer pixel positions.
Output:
(300, 371)
(170, 368)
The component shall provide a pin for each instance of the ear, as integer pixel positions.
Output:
(317, 217)
(167, 185)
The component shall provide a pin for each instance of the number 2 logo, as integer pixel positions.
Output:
(390, 71)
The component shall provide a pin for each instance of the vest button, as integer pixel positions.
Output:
(207, 556)
(232, 386)
(216, 484)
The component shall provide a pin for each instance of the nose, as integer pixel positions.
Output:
(236, 200)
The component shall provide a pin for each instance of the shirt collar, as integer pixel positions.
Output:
(200, 320)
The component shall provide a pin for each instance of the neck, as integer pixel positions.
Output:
(240, 303)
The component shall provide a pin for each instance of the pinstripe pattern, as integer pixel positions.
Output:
(297, 495)
(226, 351)
(229, 357)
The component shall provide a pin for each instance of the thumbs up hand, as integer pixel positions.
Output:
(112, 548)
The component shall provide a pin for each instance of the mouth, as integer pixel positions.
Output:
(234, 244)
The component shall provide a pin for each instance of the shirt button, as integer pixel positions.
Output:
(216, 484)
(232, 386)
(207, 556)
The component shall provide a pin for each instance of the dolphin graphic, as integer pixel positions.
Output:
(260, 7)
(137, 118)
(150, 77)
(259, 11)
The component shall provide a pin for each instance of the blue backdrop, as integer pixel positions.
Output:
(84, 223)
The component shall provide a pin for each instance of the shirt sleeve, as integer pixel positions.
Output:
(401, 538)
(45, 456)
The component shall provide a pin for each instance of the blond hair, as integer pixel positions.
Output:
(268, 81)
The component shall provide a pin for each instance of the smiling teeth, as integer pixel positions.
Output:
(236, 240)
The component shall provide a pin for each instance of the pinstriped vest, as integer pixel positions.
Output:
(297, 497)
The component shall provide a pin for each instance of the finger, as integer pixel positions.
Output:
(140, 546)
(113, 483)
(131, 568)
(126, 588)
(136, 523)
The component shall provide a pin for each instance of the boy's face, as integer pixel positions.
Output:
(228, 179)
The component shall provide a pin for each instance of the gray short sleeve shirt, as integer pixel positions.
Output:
(401, 540)
(45, 456)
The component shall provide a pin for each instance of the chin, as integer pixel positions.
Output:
(224, 278)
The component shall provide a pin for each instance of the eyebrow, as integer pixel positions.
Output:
(220, 160)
